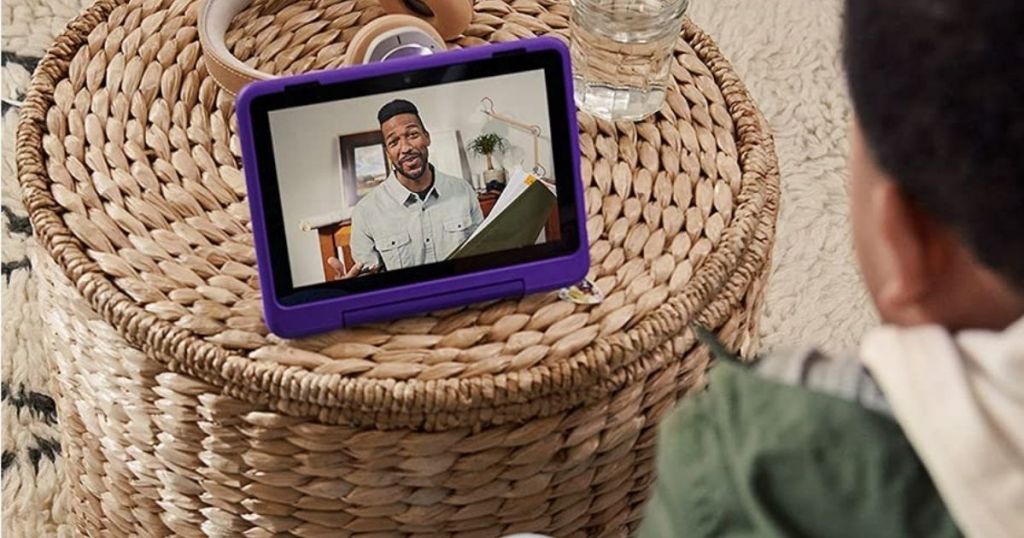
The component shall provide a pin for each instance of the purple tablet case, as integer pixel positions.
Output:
(362, 307)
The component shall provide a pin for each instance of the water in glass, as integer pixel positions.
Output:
(622, 53)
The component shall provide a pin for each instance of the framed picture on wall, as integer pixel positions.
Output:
(364, 164)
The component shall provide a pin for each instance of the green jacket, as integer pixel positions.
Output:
(753, 456)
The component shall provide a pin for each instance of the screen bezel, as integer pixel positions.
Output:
(555, 78)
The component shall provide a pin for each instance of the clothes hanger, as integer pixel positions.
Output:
(534, 130)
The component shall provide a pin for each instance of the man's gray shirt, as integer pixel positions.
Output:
(393, 227)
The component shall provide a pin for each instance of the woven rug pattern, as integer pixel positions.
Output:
(810, 142)
(35, 496)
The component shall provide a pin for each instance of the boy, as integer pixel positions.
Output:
(923, 433)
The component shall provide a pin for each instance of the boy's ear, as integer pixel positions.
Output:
(909, 254)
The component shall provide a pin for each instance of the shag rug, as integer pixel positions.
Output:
(787, 53)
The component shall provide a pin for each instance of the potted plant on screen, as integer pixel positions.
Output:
(488, 144)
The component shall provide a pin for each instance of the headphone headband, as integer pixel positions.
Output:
(440, 19)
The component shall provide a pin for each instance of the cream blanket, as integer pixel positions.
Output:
(960, 401)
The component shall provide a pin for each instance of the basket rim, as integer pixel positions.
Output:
(604, 365)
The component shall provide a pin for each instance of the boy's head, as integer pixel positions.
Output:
(937, 166)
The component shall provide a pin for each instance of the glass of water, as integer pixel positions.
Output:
(622, 54)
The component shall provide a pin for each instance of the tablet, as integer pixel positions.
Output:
(388, 189)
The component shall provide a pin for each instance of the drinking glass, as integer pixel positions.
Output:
(622, 54)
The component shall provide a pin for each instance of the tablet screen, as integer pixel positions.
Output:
(414, 176)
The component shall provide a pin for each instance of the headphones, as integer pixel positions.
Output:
(411, 28)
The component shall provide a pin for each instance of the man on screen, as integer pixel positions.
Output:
(418, 215)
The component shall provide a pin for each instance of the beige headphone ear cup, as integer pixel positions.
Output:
(450, 18)
(360, 42)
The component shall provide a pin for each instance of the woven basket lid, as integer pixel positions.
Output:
(128, 158)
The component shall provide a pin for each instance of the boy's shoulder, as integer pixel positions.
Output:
(791, 444)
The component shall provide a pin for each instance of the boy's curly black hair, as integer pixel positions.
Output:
(938, 89)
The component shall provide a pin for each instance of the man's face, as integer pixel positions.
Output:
(406, 142)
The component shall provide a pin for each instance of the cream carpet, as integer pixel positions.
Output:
(785, 50)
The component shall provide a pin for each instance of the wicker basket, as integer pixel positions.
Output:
(183, 416)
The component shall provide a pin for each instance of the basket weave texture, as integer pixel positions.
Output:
(183, 416)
